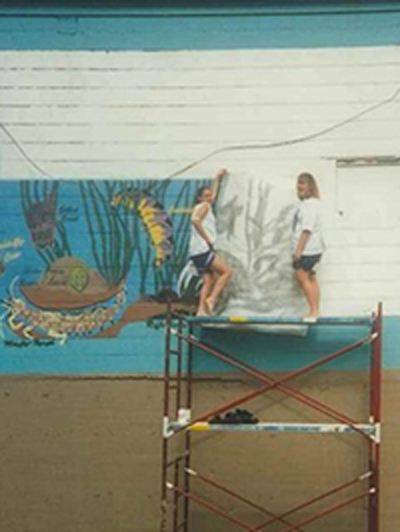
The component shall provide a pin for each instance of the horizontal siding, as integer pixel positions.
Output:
(102, 114)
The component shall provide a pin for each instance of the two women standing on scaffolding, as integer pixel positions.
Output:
(307, 242)
(215, 273)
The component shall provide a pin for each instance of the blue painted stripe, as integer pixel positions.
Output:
(265, 351)
(287, 353)
(199, 31)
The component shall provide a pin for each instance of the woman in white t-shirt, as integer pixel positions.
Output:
(215, 273)
(307, 243)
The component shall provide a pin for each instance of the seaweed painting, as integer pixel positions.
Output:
(110, 240)
(118, 264)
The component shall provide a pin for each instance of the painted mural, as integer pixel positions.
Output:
(84, 259)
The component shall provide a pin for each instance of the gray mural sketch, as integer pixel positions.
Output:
(255, 241)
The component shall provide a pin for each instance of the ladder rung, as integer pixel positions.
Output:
(177, 460)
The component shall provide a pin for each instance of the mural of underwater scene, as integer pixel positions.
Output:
(85, 259)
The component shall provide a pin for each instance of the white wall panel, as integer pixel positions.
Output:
(82, 115)
(226, 97)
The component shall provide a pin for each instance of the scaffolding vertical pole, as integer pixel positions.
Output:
(178, 412)
(179, 369)
(165, 442)
(176, 495)
(188, 462)
(375, 417)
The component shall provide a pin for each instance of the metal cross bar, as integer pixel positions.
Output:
(316, 499)
(240, 498)
(326, 512)
(212, 507)
(273, 383)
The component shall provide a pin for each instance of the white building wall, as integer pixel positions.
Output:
(261, 113)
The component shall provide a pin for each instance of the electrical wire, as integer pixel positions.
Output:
(232, 148)
(289, 142)
(23, 152)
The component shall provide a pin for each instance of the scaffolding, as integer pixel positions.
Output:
(178, 475)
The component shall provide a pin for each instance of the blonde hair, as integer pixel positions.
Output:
(311, 183)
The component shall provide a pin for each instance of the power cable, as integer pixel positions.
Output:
(239, 147)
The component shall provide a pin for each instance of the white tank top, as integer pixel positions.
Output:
(197, 243)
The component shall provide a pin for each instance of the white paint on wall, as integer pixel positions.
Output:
(84, 115)
(135, 114)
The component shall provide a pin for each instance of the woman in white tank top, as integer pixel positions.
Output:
(215, 273)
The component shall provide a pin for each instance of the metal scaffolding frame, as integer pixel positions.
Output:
(178, 424)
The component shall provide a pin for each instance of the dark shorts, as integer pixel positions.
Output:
(203, 261)
(307, 262)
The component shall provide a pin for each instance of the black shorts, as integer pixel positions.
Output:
(307, 262)
(203, 261)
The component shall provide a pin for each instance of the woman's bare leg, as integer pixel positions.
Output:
(224, 274)
(315, 293)
(309, 284)
(205, 291)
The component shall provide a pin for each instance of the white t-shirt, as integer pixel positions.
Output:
(197, 243)
(307, 217)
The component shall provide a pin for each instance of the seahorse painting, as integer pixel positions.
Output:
(154, 218)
